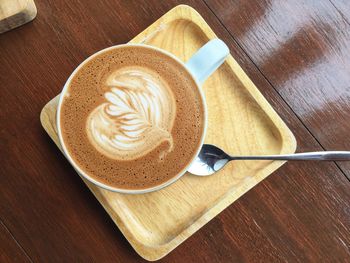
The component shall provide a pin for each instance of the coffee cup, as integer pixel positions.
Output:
(97, 128)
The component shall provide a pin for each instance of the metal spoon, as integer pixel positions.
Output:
(211, 158)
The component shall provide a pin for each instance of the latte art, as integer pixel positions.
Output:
(136, 117)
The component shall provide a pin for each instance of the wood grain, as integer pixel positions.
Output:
(14, 13)
(299, 212)
(156, 223)
(306, 58)
(10, 250)
(343, 8)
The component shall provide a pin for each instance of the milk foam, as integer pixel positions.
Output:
(136, 117)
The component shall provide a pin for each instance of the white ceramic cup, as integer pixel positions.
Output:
(200, 66)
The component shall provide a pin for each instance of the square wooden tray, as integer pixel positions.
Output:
(241, 121)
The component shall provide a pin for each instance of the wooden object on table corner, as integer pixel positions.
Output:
(14, 13)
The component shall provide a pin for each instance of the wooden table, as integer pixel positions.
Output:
(298, 55)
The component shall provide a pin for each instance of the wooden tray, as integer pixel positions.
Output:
(241, 121)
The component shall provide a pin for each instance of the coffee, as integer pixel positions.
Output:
(132, 117)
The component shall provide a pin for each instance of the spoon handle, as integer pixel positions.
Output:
(319, 156)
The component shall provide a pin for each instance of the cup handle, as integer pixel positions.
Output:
(207, 59)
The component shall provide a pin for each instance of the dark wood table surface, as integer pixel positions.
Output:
(298, 55)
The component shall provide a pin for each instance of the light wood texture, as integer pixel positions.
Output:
(240, 121)
(14, 13)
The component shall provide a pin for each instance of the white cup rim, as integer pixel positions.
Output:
(108, 187)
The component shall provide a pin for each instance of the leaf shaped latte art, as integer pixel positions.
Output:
(136, 117)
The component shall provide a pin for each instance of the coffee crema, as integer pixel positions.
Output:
(132, 117)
